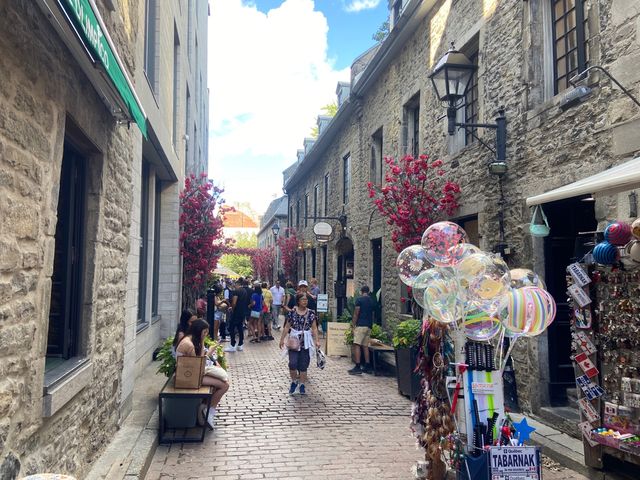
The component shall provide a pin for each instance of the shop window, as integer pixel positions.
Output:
(568, 33)
(411, 126)
(144, 246)
(298, 214)
(65, 308)
(306, 209)
(326, 194)
(471, 111)
(470, 225)
(376, 158)
(346, 178)
(156, 248)
(151, 44)
(316, 194)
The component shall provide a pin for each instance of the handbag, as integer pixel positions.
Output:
(539, 229)
(189, 371)
(293, 343)
(216, 371)
(255, 314)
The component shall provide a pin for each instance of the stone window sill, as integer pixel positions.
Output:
(64, 382)
(155, 319)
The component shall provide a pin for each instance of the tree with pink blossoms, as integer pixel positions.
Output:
(416, 194)
(263, 261)
(201, 235)
(288, 245)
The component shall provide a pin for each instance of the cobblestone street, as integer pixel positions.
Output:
(344, 428)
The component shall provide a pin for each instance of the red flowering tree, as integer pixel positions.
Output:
(288, 245)
(263, 261)
(416, 194)
(201, 236)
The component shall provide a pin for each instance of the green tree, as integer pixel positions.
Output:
(241, 264)
(330, 109)
(382, 32)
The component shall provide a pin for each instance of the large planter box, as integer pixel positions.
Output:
(408, 381)
(180, 412)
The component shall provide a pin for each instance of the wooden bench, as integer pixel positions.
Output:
(169, 400)
(376, 349)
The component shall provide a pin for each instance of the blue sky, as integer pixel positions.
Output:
(273, 64)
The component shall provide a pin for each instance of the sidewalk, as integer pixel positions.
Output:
(129, 454)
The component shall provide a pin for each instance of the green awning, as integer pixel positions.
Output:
(96, 39)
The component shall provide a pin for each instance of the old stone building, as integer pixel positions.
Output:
(93, 116)
(525, 52)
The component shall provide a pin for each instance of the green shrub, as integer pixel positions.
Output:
(168, 363)
(376, 333)
(407, 334)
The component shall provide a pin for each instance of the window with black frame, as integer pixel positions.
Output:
(306, 209)
(346, 178)
(570, 53)
(316, 194)
(326, 194)
(471, 109)
(298, 214)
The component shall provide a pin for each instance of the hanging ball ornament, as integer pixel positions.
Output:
(635, 228)
(617, 233)
(605, 253)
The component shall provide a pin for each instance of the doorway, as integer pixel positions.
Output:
(344, 282)
(567, 218)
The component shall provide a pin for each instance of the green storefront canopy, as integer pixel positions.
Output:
(85, 21)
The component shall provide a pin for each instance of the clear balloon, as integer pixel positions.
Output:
(544, 310)
(419, 286)
(484, 279)
(461, 251)
(438, 240)
(480, 326)
(411, 262)
(441, 298)
(523, 277)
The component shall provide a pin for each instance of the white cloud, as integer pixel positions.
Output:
(359, 5)
(269, 76)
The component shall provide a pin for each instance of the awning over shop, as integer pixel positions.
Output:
(83, 31)
(614, 180)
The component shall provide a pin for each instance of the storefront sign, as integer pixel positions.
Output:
(85, 20)
(335, 339)
(515, 463)
(322, 304)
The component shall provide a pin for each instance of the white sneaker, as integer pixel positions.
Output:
(240, 348)
(211, 418)
(230, 348)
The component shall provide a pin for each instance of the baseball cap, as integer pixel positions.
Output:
(303, 283)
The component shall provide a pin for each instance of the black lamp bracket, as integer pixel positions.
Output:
(500, 127)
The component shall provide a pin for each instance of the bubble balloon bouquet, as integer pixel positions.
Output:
(484, 279)
(411, 262)
(438, 240)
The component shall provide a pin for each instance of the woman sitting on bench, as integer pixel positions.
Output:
(193, 345)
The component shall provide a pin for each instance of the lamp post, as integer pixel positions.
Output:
(451, 79)
(275, 229)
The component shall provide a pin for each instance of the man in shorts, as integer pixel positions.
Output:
(362, 322)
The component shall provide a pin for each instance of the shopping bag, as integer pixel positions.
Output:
(189, 371)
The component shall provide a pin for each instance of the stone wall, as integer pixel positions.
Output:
(42, 88)
(546, 148)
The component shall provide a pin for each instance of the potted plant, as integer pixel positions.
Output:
(405, 342)
(182, 412)
(377, 333)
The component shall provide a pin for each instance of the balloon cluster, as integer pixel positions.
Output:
(621, 242)
(460, 285)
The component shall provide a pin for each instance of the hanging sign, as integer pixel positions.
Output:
(578, 274)
(579, 295)
(590, 389)
(582, 342)
(521, 463)
(323, 232)
(587, 410)
(586, 365)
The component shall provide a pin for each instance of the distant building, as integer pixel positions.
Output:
(237, 223)
(276, 213)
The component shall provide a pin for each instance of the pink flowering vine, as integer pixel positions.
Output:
(416, 194)
(288, 245)
(201, 236)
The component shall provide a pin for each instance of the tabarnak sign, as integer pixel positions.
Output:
(515, 463)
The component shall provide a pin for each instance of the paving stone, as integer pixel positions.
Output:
(345, 428)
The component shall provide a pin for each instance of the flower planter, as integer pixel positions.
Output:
(180, 412)
(408, 381)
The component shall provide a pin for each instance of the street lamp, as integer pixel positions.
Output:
(275, 229)
(451, 79)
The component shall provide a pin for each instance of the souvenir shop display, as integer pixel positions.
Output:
(475, 311)
(604, 291)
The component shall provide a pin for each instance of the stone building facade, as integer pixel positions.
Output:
(521, 52)
(79, 190)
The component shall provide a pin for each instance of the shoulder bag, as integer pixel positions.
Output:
(539, 229)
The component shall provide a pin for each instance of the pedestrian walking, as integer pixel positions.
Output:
(290, 293)
(238, 312)
(226, 296)
(314, 289)
(221, 307)
(300, 334)
(361, 323)
(266, 311)
(256, 313)
(277, 292)
(303, 287)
